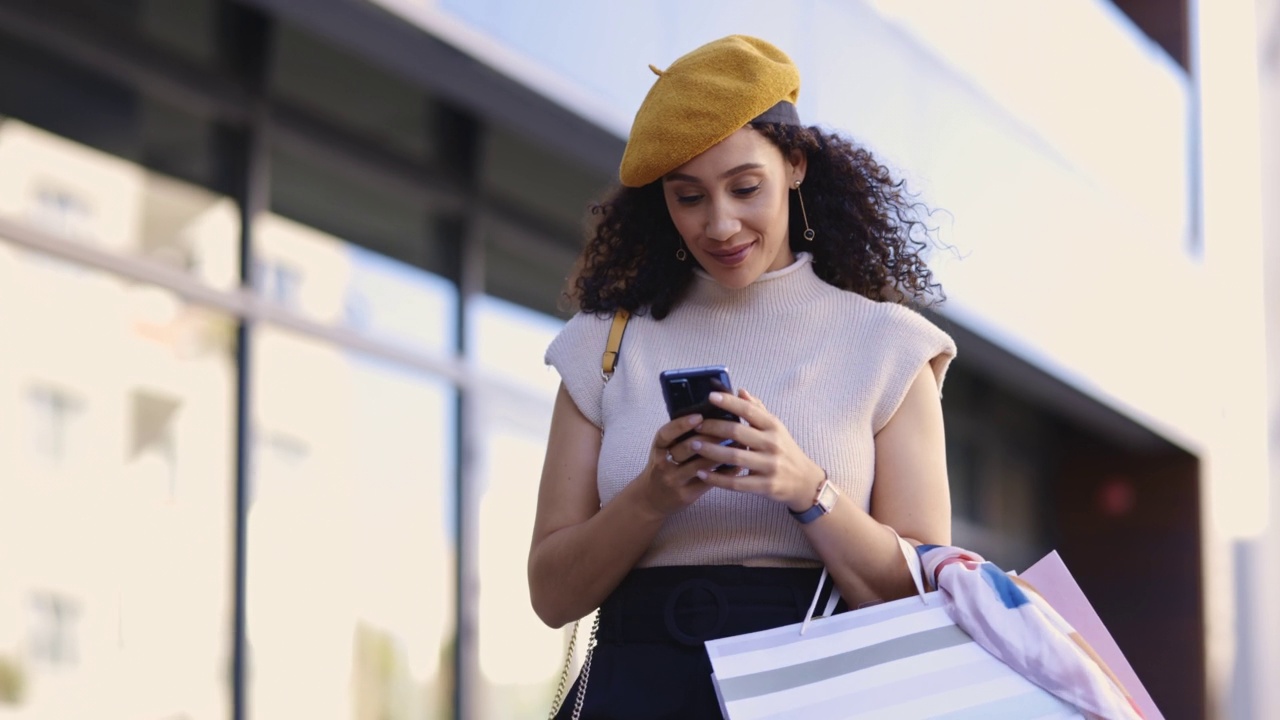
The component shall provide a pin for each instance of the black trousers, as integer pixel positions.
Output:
(650, 662)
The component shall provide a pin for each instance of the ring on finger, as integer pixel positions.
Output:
(672, 460)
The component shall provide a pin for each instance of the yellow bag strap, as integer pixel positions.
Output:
(614, 345)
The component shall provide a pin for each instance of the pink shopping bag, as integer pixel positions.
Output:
(1055, 583)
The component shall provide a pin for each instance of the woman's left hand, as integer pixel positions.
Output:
(776, 467)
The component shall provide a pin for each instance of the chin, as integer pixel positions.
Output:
(735, 278)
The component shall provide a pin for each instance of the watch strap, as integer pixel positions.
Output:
(818, 509)
(809, 515)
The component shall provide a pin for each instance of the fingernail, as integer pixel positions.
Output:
(715, 397)
(697, 445)
(695, 419)
(702, 474)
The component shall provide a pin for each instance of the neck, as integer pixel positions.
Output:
(793, 285)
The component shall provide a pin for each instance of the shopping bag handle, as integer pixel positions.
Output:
(913, 564)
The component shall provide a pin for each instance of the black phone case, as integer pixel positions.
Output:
(687, 390)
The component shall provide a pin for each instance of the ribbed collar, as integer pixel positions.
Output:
(793, 285)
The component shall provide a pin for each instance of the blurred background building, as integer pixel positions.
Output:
(276, 279)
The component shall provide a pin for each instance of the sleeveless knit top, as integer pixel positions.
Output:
(832, 365)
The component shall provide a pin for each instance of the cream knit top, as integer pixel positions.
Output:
(832, 365)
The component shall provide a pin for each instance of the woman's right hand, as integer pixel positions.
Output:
(671, 477)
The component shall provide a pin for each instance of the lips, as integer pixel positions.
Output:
(734, 256)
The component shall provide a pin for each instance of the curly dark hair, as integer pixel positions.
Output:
(629, 261)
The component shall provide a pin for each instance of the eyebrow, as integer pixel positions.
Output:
(728, 173)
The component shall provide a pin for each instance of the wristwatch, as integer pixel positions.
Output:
(827, 496)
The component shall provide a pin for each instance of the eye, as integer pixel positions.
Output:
(688, 199)
(747, 191)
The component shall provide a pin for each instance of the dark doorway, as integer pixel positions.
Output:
(1129, 527)
(1037, 465)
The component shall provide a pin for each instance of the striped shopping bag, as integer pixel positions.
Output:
(900, 660)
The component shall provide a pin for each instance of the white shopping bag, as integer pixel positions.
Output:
(900, 660)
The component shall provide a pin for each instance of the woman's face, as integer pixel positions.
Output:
(730, 205)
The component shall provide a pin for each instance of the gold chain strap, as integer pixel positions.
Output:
(568, 665)
(564, 674)
(586, 668)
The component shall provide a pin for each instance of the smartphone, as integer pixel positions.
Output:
(688, 390)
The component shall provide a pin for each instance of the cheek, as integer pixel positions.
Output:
(771, 215)
(688, 222)
(683, 227)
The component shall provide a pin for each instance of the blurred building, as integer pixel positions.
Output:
(276, 279)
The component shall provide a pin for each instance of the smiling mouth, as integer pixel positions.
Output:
(732, 257)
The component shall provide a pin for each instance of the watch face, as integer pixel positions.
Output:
(827, 496)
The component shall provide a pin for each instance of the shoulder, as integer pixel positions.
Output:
(580, 342)
(885, 318)
(582, 327)
(897, 342)
(576, 354)
(909, 326)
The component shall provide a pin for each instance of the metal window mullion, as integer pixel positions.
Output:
(255, 201)
(470, 452)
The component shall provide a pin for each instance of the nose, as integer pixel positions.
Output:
(722, 221)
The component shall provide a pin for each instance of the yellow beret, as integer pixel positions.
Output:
(703, 98)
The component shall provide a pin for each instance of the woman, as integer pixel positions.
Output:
(709, 244)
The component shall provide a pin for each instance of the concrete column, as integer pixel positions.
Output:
(1239, 522)
(1267, 655)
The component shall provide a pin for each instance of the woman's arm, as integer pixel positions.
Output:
(910, 493)
(580, 550)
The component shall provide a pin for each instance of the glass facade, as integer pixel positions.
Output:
(265, 451)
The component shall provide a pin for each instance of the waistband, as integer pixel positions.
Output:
(689, 605)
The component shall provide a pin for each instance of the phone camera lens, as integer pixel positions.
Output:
(682, 394)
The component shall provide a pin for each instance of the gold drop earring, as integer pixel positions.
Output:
(808, 231)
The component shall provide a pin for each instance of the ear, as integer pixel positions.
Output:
(799, 163)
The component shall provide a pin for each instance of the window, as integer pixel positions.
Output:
(154, 423)
(54, 630)
(54, 413)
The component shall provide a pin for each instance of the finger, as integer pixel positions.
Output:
(734, 479)
(742, 393)
(740, 433)
(730, 455)
(754, 413)
(723, 481)
(684, 458)
(670, 433)
(682, 451)
(691, 472)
